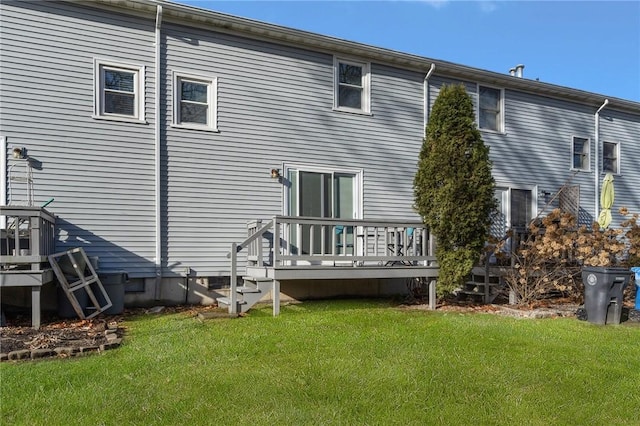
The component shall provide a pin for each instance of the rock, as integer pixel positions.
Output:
(21, 354)
(89, 349)
(64, 351)
(111, 345)
(111, 337)
(155, 310)
(41, 353)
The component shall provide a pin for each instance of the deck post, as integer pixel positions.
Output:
(233, 296)
(432, 294)
(35, 307)
(275, 295)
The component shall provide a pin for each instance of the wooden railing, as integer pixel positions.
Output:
(291, 241)
(298, 241)
(287, 242)
(27, 238)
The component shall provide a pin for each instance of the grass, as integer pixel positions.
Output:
(339, 362)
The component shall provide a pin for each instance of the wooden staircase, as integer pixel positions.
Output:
(248, 294)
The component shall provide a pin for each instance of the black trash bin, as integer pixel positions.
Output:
(65, 308)
(603, 297)
(113, 283)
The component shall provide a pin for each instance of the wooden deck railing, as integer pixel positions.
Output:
(291, 241)
(295, 244)
(287, 241)
(28, 237)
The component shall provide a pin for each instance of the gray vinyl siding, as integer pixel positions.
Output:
(99, 172)
(275, 107)
(624, 129)
(535, 148)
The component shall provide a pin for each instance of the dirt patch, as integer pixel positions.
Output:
(554, 308)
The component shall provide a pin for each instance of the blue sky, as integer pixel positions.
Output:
(586, 45)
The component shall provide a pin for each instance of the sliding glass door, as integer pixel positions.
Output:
(323, 194)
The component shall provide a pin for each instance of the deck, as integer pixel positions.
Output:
(305, 248)
(27, 238)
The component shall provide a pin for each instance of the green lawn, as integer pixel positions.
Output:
(339, 362)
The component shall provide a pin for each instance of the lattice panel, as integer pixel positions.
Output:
(569, 199)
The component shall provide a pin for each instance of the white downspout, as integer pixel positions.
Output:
(157, 171)
(3, 178)
(597, 154)
(426, 99)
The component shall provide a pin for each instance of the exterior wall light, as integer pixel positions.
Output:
(19, 153)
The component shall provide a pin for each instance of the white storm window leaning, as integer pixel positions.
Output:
(119, 91)
(194, 103)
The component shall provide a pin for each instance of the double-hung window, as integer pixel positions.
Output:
(194, 101)
(611, 157)
(490, 116)
(580, 153)
(119, 91)
(352, 86)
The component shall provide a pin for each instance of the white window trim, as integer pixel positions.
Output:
(366, 85)
(212, 100)
(358, 173)
(98, 92)
(588, 160)
(618, 172)
(501, 116)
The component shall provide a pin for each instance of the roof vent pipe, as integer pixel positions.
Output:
(512, 72)
(519, 69)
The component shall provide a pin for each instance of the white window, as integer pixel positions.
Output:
(194, 101)
(611, 157)
(351, 86)
(119, 91)
(580, 148)
(490, 116)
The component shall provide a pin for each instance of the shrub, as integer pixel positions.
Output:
(453, 186)
(549, 260)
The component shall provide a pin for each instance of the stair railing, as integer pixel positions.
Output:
(256, 232)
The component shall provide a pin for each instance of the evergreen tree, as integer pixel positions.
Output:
(453, 187)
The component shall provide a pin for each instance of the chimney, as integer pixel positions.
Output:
(512, 72)
(519, 69)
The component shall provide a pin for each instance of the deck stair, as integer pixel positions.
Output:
(248, 294)
(484, 284)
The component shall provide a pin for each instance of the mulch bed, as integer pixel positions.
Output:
(58, 337)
